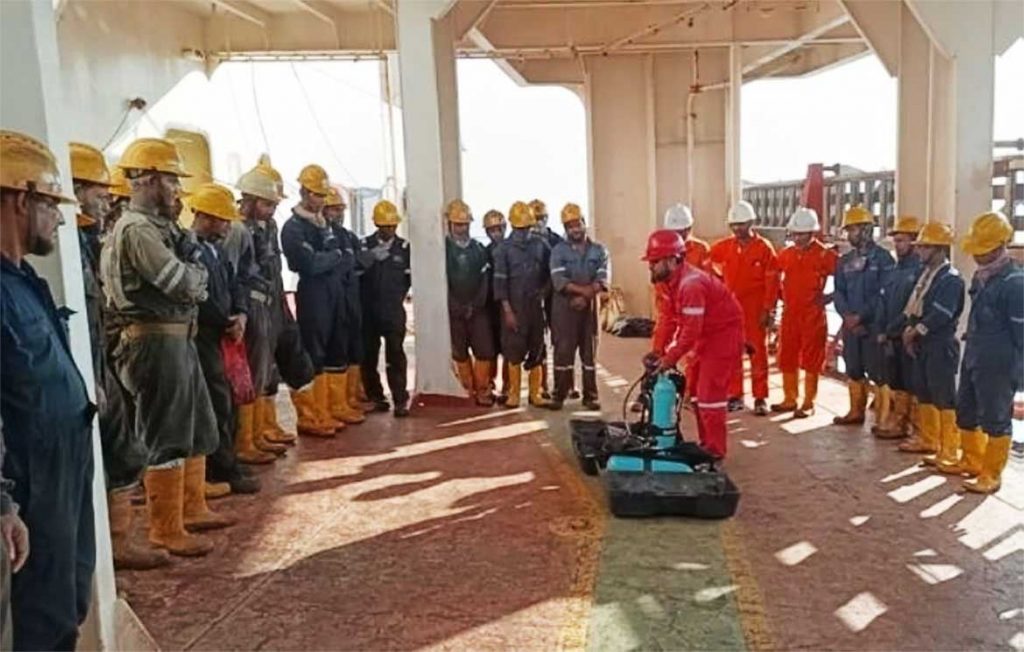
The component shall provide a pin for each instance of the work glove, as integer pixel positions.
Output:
(188, 248)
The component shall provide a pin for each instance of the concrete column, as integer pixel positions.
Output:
(448, 99)
(619, 93)
(422, 53)
(913, 125)
(32, 103)
(733, 174)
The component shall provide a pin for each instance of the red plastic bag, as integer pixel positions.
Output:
(236, 369)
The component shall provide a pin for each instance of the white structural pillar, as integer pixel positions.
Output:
(427, 70)
(914, 71)
(733, 173)
(31, 103)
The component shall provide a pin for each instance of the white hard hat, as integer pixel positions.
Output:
(678, 217)
(803, 220)
(741, 213)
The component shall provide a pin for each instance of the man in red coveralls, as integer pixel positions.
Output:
(703, 326)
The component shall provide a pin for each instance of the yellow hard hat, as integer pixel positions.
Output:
(119, 186)
(27, 164)
(539, 209)
(261, 182)
(314, 179)
(521, 216)
(214, 200)
(493, 218)
(385, 214)
(989, 231)
(334, 198)
(571, 213)
(857, 215)
(265, 162)
(88, 164)
(155, 155)
(936, 234)
(458, 212)
(906, 224)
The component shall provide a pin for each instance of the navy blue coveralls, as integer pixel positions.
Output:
(934, 370)
(385, 284)
(522, 276)
(225, 297)
(992, 369)
(324, 270)
(47, 419)
(861, 276)
(897, 365)
(351, 246)
(291, 362)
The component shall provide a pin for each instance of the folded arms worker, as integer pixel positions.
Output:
(805, 266)
(704, 325)
(46, 415)
(749, 266)
(861, 275)
(579, 273)
(387, 278)
(521, 278)
(154, 285)
(469, 280)
(992, 369)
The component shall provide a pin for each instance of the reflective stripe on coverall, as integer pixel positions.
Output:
(385, 285)
(521, 277)
(934, 370)
(861, 277)
(898, 367)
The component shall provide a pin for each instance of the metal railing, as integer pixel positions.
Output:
(775, 202)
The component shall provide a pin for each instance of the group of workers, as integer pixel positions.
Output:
(192, 334)
(900, 320)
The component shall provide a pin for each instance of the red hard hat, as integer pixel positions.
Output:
(664, 243)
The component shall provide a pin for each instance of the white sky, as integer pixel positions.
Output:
(520, 143)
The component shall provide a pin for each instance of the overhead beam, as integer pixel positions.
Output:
(307, 5)
(246, 14)
(470, 14)
(879, 23)
(795, 44)
(562, 72)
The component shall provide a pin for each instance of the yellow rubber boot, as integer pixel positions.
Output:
(515, 385)
(321, 395)
(258, 426)
(949, 441)
(464, 370)
(858, 403)
(790, 384)
(127, 554)
(357, 373)
(245, 448)
(929, 426)
(997, 451)
(972, 443)
(806, 408)
(338, 391)
(482, 372)
(536, 387)
(272, 430)
(165, 495)
(215, 490)
(883, 413)
(197, 515)
(306, 421)
(899, 412)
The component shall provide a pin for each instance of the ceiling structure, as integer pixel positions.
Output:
(543, 41)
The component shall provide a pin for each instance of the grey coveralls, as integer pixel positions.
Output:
(154, 286)
(575, 327)
(521, 277)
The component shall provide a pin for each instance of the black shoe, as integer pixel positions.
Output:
(735, 404)
(761, 407)
(574, 394)
(380, 405)
(555, 405)
(244, 484)
(401, 410)
(591, 404)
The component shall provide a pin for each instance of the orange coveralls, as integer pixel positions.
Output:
(697, 255)
(751, 271)
(804, 331)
